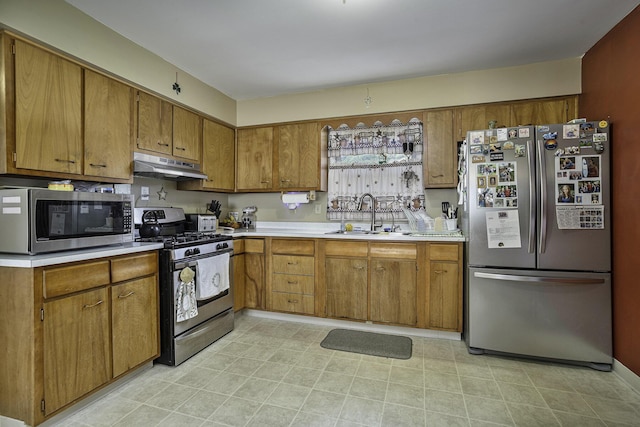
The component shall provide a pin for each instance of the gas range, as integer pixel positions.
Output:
(172, 222)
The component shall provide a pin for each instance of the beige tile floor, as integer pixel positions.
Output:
(274, 373)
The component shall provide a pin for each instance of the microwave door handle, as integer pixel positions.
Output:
(543, 197)
(532, 196)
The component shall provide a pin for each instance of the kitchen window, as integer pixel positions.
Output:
(382, 160)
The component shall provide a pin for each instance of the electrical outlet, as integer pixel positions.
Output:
(318, 208)
(144, 193)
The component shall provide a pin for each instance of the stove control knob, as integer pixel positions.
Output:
(190, 252)
(222, 246)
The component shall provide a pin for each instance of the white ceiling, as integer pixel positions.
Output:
(258, 48)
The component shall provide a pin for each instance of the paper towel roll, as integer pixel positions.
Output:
(290, 198)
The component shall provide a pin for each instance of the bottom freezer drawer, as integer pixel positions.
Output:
(556, 315)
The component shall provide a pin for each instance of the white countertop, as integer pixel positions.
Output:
(264, 229)
(41, 260)
(325, 231)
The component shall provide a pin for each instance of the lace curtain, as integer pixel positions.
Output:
(382, 160)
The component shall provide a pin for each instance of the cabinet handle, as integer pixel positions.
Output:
(162, 144)
(285, 180)
(126, 295)
(358, 268)
(65, 161)
(292, 282)
(94, 165)
(292, 263)
(436, 176)
(292, 301)
(92, 305)
(380, 268)
(265, 182)
(179, 148)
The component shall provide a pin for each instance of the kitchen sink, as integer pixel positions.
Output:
(353, 232)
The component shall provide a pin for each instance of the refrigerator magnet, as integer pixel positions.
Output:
(550, 142)
(585, 143)
(603, 124)
(523, 132)
(571, 131)
(502, 134)
(475, 149)
(586, 129)
(507, 145)
(478, 158)
(598, 147)
(513, 133)
(482, 182)
(520, 150)
(559, 152)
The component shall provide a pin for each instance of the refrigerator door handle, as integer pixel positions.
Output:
(543, 198)
(515, 278)
(532, 198)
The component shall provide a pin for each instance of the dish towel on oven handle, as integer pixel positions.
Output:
(186, 304)
(213, 276)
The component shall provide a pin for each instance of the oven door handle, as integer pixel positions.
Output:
(184, 264)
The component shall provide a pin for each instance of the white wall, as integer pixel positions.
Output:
(537, 80)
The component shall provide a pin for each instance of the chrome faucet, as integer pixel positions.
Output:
(373, 209)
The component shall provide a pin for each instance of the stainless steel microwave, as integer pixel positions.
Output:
(36, 220)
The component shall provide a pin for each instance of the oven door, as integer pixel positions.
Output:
(210, 307)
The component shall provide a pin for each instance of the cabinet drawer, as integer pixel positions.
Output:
(74, 278)
(254, 246)
(292, 303)
(394, 250)
(444, 252)
(349, 249)
(294, 284)
(291, 246)
(293, 264)
(238, 246)
(133, 266)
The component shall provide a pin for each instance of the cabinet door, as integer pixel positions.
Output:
(155, 121)
(255, 154)
(76, 347)
(541, 112)
(238, 282)
(445, 296)
(108, 127)
(393, 291)
(299, 156)
(346, 283)
(218, 156)
(134, 318)
(48, 111)
(440, 154)
(254, 281)
(187, 134)
(477, 117)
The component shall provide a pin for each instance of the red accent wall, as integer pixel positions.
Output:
(611, 88)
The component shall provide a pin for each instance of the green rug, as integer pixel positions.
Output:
(368, 343)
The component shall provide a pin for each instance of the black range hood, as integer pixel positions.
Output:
(149, 166)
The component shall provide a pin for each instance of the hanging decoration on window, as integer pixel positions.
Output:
(383, 160)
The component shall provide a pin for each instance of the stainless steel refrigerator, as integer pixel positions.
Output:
(538, 219)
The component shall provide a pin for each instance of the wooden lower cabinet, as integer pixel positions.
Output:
(396, 283)
(445, 287)
(76, 347)
(291, 279)
(346, 285)
(70, 329)
(394, 292)
(254, 278)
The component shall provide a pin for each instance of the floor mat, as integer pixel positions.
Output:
(370, 343)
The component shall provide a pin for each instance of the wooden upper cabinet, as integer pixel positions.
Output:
(218, 156)
(48, 103)
(255, 157)
(476, 117)
(298, 156)
(108, 127)
(187, 134)
(440, 150)
(544, 111)
(155, 122)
